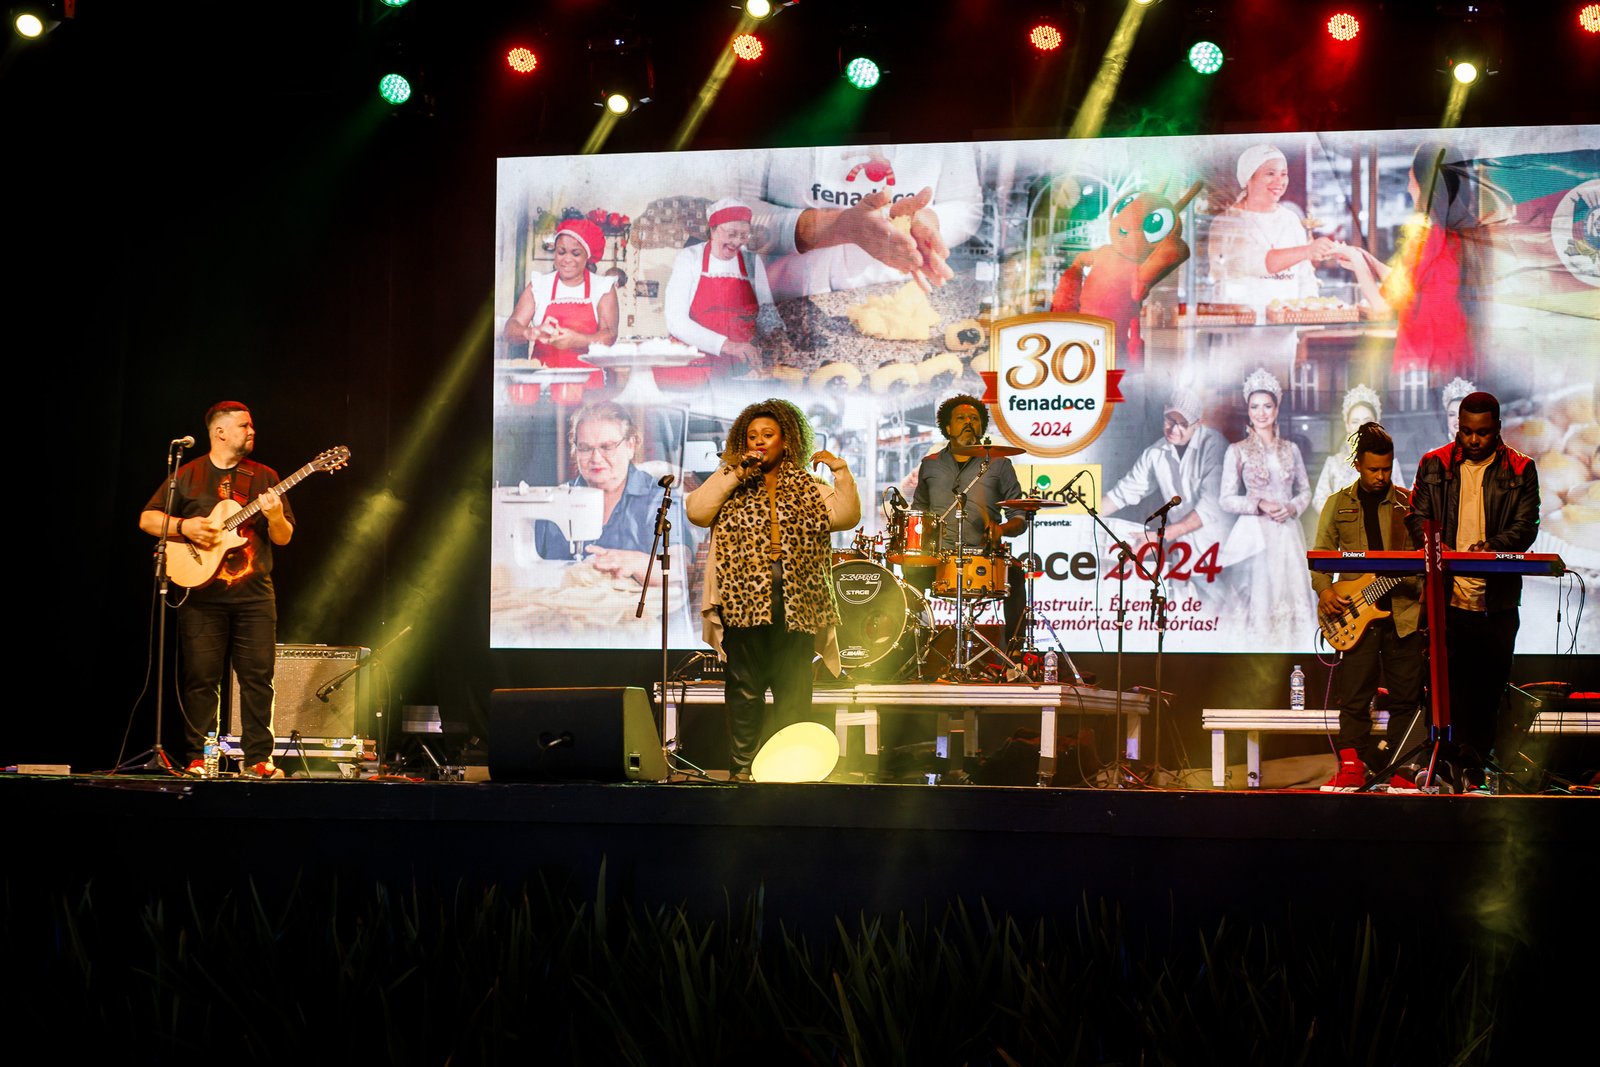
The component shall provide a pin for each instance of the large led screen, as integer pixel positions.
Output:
(1094, 289)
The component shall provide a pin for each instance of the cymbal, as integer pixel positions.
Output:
(1031, 503)
(986, 451)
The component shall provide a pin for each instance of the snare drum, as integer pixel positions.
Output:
(882, 621)
(914, 538)
(985, 576)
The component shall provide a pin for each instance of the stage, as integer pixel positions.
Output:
(818, 851)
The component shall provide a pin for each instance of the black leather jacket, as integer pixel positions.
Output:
(1510, 509)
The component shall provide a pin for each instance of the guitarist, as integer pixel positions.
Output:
(235, 616)
(1370, 513)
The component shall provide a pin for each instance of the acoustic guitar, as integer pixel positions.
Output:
(192, 566)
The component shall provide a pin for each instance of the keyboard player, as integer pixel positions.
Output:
(1485, 496)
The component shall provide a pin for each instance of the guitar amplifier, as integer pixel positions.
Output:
(298, 672)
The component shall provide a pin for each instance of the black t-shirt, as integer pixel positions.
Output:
(246, 572)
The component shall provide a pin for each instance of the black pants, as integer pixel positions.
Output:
(1480, 645)
(1401, 662)
(762, 658)
(211, 635)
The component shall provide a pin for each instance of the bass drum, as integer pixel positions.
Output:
(882, 621)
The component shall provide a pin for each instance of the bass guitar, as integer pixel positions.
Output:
(1343, 629)
(191, 566)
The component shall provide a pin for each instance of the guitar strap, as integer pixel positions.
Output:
(242, 478)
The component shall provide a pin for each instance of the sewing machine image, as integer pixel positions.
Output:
(578, 512)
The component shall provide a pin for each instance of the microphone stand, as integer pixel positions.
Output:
(1158, 608)
(1126, 558)
(154, 759)
(334, 684)
(663, 541)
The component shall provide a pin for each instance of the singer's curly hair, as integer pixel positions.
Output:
(1370, 437)
(798, 441)
(945, 409)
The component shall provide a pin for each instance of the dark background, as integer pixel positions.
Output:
(209, 202)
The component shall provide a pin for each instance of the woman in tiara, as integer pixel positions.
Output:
(1264, 483)
(1361, 405)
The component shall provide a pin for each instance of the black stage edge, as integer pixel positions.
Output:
(1522, 866)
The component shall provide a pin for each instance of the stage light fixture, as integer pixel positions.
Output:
(757, 9)
(395, 3)
(394, 89)
(1464, 72)
(618, 103)
(801, 752)
(1344, 26)
(1205, 57)
(522, 60)
(862, 72)
(1045, 38)
(747, 46)
(31, 21)
(1589, 18)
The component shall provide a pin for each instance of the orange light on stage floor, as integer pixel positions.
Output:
(1589, 18)
(747, 46)
(1045, 37)
(1344, 26)
(522, 60)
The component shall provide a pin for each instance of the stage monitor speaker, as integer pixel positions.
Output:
(299, 671)
(549, 735)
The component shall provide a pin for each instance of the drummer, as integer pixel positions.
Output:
(964, 420)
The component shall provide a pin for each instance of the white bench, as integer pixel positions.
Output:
(1258, 721)
(862, 706)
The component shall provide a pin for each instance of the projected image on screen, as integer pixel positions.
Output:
(1206, 318)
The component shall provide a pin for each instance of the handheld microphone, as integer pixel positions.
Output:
(1163, 509)
(749, 461)
(186, 441)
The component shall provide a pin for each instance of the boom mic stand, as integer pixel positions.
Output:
(663, 541)
(154, 759)
(1126, 558)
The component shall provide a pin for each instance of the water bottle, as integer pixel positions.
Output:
(210, 755)
(1297, 689)
(1050, 675)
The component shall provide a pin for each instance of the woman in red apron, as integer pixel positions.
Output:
(560, 314)
(713, 296)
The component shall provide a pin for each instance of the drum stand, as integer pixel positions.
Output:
(963, 659)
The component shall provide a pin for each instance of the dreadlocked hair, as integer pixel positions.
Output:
(798, 442)
(1370, 437)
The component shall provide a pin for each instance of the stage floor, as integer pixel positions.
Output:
(818, 851)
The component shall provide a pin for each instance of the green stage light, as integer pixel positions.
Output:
(395, 3)
(394, 89)
(1205, 57)
(862, 72)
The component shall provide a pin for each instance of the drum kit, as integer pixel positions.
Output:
(886, 629)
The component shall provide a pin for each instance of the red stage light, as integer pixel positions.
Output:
(747, 46)
(1045, 37)
(1343, 27)
(1589, 18)
(522, 60)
